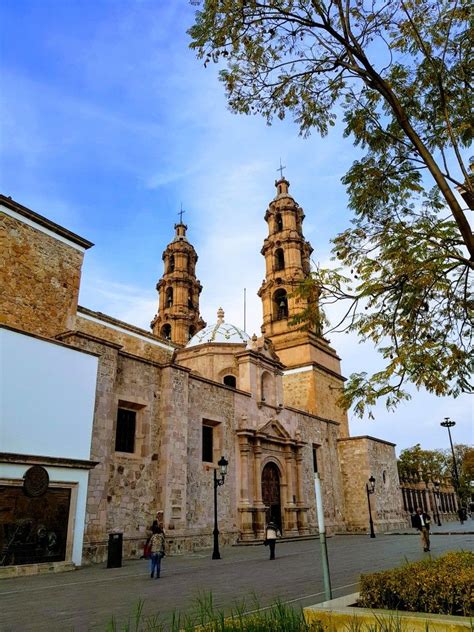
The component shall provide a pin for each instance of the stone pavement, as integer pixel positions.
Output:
(85, 599)
(446, 528)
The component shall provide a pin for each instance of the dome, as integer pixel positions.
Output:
(220, 332)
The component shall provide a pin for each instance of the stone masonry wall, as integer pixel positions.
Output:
(39, 277)
(316, 392)
(130, 343)
(324, 437)
(360, 458)
(123, 493)
(214, 404)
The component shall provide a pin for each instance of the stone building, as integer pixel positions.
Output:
(170, 402)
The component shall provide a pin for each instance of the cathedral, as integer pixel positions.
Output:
(105, 425)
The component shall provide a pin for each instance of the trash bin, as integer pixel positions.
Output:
(114, 552)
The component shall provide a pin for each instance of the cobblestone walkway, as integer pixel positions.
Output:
(85, 599)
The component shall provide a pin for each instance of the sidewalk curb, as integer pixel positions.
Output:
(432, 533)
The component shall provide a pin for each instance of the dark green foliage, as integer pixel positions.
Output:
(441, 586)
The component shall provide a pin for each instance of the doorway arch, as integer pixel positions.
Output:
(271, 492)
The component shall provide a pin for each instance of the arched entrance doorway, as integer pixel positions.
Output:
(271, 492)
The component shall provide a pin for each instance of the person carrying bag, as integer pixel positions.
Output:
(272, 532)
(157, 544)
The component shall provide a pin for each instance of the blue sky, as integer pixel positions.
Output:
(110, 123)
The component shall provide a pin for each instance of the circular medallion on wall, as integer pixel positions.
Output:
(36, 481)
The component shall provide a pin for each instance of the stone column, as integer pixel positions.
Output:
(257, 492)
(302, 514)
(245, 509)
(404, 496)
(290, 509)
(172, 475)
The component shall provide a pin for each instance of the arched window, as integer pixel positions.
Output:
(166, 331)
(279, 259)
(190, 300)
(191, 332)
(171, 264)
(169, 297)
(278, 222)
(280, 301)
(229, 380)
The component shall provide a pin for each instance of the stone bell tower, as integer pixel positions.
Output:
(312, 379)
(178, 317)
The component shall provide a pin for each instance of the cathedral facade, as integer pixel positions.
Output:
(170, 402)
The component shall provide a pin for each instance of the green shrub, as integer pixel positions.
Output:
(441, 586)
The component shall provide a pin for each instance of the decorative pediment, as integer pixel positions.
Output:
(274, 429)
(264, 347)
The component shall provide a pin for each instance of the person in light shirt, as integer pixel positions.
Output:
(272, 532)
(422, 521)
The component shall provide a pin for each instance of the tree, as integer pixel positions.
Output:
(429, 462)
(400, 73)
(435, 464)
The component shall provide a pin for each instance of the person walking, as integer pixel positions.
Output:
(157, 544)
(272, 532)
(422, 521)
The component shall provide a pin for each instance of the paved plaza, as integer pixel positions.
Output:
(86, 599)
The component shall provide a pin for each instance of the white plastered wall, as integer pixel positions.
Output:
(47, 397)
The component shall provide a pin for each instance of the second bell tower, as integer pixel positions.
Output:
(312, 380)
(178, 317)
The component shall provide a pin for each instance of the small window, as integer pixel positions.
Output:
(315, 458)
(207, 443)
(278, 220)
(191, 332)
(169, 297)
(279, 259)
(166, 331)
(125, 433)
(229, 380)
(171, 264)
(190, 300)
(281, 304)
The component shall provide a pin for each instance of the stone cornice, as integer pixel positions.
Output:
(366, 438)
(206, 380)
(312, 416)
(54, 461)
(38, 219)
(315, 365)
(96, 339)
(119, 325)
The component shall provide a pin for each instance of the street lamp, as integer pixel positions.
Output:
(222, 463)
(437, 485)
(370, 489)
(448, 423)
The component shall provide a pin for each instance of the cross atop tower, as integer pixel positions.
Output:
(181, 214)
(280, 169)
